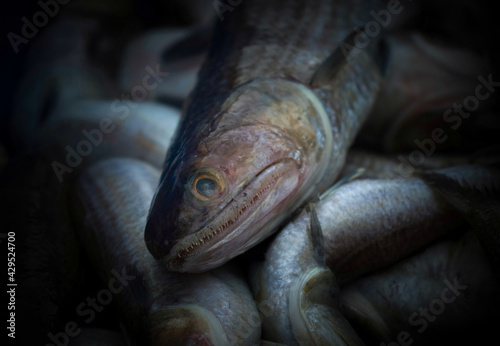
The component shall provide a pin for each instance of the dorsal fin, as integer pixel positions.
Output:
(316, 235)
(347, 51)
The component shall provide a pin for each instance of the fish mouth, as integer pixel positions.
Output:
(239, 222)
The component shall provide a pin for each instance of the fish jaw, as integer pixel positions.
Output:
(270, 146)
(243, 222)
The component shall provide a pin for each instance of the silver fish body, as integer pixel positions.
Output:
(298, 296)
(369, 224)
(83, 132)
(444, 294)
(158, 306)
(365, 225)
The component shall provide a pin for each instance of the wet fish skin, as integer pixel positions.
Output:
(257, 133)
(366, 225)
(37, 192)
(386, 303)
(158, 306)
(479, 204)
(369, 224)
(141, 132)
(387, 166)
(300, 293)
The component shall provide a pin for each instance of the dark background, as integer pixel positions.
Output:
(472, 24)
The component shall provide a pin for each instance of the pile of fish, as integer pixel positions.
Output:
(323, 184)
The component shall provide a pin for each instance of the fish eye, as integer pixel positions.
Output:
(207, 184)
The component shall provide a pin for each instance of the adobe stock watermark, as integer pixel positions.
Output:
(90, 307)
(221, 6)
(429, 314)
(372, 29)
(93, 138)
(29, 29)
(453, 116)
(254, 320)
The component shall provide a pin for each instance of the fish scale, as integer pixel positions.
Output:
(272, 98)
(309, 33)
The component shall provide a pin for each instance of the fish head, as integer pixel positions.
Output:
(224, 192)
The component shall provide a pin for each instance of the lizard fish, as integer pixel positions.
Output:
(159, 307)
(267, 126)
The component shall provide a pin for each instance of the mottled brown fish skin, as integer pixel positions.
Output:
(229, 130)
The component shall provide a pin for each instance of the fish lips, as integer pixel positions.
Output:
(247, 219)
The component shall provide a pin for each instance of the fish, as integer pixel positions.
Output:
(479, 204)
(278, 102)
(158, 307)
(177, 52)
(423, 78)
(355, 229)
(38, 185)
(297, 294)
(388, 166)
(76, 135)
(445, 294)
(369, 224)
